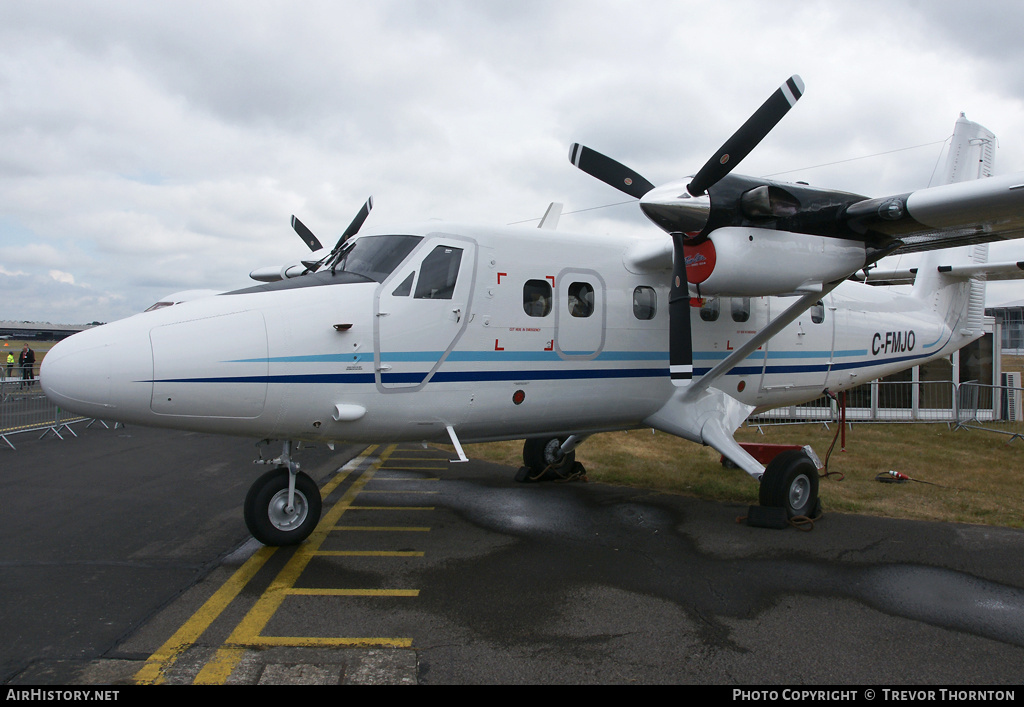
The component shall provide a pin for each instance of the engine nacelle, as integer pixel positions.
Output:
(754, 262)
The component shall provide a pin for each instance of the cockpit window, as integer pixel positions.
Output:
(375, 257)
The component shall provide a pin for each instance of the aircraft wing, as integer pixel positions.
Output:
(963, 213)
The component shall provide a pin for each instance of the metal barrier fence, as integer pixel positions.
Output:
(972, 405)
(24, 408)
(993, 408)
(877, 401)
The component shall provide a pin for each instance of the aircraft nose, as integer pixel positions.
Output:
(85, 373)
(75, 374)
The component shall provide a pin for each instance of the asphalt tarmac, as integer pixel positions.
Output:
(125, 560)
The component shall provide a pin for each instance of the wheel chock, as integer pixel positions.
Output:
(767, 517)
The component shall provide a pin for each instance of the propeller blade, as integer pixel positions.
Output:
(353, 229)
(306, 235)
(680, 341)
(748, 136)
(357, 222)
(609, 171)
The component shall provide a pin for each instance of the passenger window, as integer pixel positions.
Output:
(438, 273)
(581, 299)
(405, 289)
(645, 303)
(818, 313)
(740, 309)
(709, 310)
(537, 298)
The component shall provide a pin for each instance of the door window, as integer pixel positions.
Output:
(581, 299)
(438, 273)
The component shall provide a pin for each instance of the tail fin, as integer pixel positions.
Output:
(955, 300)
(960, 302)
(972, 153)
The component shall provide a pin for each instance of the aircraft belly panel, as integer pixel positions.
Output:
(200, 370)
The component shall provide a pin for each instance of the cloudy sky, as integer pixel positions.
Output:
(151, 147)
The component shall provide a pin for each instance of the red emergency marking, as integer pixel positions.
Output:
(550, 346)
(501, 275)
(552, 278)
(498, 348)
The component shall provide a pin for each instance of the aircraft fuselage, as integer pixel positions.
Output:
(499, 333)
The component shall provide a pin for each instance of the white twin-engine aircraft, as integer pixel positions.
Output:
(440, 331)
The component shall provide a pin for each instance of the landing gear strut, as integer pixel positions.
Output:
(790, 481)
(552, 456)
(283, 505)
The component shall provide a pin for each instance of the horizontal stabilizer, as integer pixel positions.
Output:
(1011, 270)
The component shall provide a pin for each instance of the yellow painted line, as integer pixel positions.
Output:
(217, 670)
(410, 479)
(249, 629)
(152, 673)
(418, 459)
(154, 670)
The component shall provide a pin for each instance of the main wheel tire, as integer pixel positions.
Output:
(266, 512)
(540, 454)
(791, 482)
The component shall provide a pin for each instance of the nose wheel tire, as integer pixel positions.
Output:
(267, 515)
(791, 482)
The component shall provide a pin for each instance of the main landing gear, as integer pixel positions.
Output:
(283, 505)
(790, 482)
(550, 457)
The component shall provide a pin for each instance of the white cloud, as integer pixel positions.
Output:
(66, 278)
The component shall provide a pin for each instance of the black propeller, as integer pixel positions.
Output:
(357, 223)
(306, 235)
(748, 136)
(729, 155)
(696, 217)
(680, 342)
(314, 243)
(609, 171)
(353, 229)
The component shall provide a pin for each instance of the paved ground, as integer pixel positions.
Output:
(125, 560)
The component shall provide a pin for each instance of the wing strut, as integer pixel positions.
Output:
(708, 415)
(805, 302)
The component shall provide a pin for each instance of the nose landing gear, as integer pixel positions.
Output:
(283, 505)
